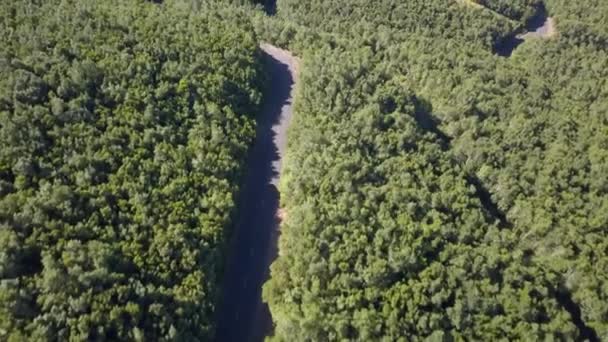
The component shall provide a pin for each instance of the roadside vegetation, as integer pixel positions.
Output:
(437, 190)
(123, 130)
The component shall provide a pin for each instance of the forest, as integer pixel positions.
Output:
(434, 190)
(123, 130)
(449, 193)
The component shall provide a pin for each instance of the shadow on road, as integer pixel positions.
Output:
(242, 316)
(270, 7)
(535, 26)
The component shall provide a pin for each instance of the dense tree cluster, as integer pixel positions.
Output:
(447, 191)
(123, 130)
(434, 18)
(385, 237)
(533, 129)
(521, 10)
(582, 24)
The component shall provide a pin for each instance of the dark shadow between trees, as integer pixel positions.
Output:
(564, 299)
(242, 316)
(429, 123)
(270, 7)
(485, 197)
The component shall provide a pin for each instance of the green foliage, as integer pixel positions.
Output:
(385, 238)
(582, 24)
(124, 127)
(415, 250)
(434, 18)
(520, 10)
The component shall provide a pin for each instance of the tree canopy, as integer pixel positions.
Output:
(432, 189)
(124, 127)
(436, 190)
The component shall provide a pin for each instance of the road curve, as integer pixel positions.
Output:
(242, 316)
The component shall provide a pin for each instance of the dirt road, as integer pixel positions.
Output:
(542, 27)
(242, 316)
(545, 30)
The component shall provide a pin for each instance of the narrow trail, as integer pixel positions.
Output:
(242, 316)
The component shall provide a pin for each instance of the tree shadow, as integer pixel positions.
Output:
(538, 20)
(270, 7)
(427, 121)
(563, 296)
(242, 316)
(507, 45)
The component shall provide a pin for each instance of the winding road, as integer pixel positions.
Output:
(242, 316)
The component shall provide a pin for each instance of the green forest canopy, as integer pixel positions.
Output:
(449, 193)
(124, 126)
(434, 190)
